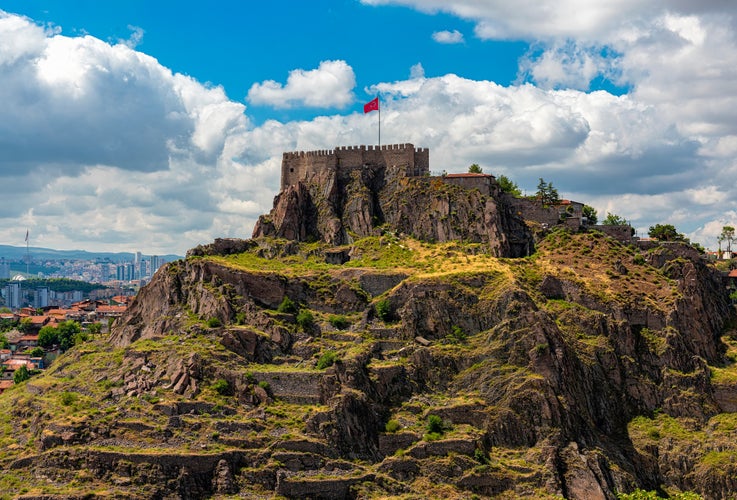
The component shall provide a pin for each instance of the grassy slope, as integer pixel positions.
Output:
(74, 392)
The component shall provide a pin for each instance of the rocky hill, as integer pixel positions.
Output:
(337, 206)
(394, 367)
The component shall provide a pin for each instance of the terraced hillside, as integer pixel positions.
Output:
(394, 368)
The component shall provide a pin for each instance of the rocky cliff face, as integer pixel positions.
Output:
(336, 208)
(410, 369)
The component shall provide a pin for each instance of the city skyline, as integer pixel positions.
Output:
(162, 125)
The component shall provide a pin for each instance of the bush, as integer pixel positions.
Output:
(328, 358)
(435, 424)
(383, 310)
(392, 426)
(639, 259)
(457, 334)
(287, 306)
(305, 319)
(213, 322)
(339, 321)
(68, 398)
(222, 387)
(264, 385)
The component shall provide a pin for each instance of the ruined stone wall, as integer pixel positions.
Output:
(622, 234)
(405, 159)
(484, 183)
(532, 209)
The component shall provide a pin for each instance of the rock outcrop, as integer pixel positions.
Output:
(335, 207)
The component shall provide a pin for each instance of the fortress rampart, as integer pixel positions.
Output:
(299, 165)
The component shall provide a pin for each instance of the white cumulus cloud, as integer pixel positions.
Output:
(329, 86)
(448, 37)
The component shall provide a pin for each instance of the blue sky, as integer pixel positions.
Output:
(159, 125)
(236, 43)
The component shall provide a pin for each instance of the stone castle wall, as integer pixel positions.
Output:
(297, 166)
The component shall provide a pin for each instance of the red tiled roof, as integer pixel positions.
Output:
(733, 273)
(112, 309)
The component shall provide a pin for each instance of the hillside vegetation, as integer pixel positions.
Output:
(410, 370)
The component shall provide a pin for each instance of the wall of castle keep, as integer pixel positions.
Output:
(298, 165)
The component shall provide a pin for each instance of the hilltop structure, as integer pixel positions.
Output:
(357, 191)
(405, 159)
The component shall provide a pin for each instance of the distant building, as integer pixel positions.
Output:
(41, 297)
(4, 269)
(13, 295)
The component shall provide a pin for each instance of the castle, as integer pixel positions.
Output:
(405, 160)
(411, 161)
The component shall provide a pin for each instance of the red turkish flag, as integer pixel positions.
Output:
(372, 105)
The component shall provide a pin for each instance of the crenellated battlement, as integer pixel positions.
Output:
(298, 165)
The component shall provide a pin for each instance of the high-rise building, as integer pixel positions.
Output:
(12, 295)
(41, 297)
(138, 267)
(4, 269)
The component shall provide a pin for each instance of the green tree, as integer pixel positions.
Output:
(509, 186)
(475, 169)
(665, 232)
(728, 236)
(95, 328)
(590, 214)
(614, 220)
(37, 352)
(546, 193)
(21, 374)
(3, 341)
(48, 336)
(67, 333)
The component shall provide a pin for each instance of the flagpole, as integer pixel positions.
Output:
(28, 254)
(379, 106)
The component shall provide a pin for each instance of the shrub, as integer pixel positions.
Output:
(213, 322)
(432, 436)
(457, 334)
(68, 398)
(305, 319)
(392, 426)
(383, 310)
(328, 358)
(480, 456)
(639, 259)
(222, 387)
(287, 306)
(264, 385)
(339, 321)
(435, 424)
